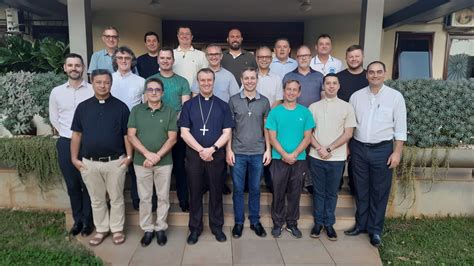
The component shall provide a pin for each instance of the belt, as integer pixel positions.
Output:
(104, 159)
(374, 145)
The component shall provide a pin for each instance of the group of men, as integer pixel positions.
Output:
(194, 113)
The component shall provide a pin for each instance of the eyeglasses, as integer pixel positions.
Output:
(126, 58)
(303, 56)
(110, 36)
(264, 57)
(216, 54)
(153, 90)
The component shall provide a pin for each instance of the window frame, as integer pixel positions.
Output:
(411, 35)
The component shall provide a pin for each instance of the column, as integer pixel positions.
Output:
(370, 36)
(80, 28)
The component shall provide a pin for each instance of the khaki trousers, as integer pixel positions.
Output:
(102, 178)
(160, 176)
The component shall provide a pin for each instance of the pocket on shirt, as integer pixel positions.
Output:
(384, 114)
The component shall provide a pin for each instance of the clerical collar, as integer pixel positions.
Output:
(206, 98)
(330, 99)
(102, 101)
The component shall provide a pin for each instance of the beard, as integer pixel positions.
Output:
(235, 46)
(354, 68)
(74, 75)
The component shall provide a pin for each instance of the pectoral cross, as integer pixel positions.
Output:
(250, 113)
(204, 129)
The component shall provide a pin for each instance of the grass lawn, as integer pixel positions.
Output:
(428, 241)
(39, 238)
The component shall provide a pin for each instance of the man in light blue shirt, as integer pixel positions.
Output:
(102, 59)
(283, 63)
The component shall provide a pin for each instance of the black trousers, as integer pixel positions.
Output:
(76, 189)
(201, 173)
(372, 181)
(179, 152)
(287, 185)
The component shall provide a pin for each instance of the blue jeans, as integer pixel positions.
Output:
(326, 177)
(255, 166)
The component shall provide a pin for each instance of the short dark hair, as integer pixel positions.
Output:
(353, 48)
(282, 39)
(151, 33)
(330, 75)
(184, 27)
(167, 49)
(251, 69)
(290, 81)
(377, 62)
(73, 55)
(324, 35)
(123, 49)
(157, 80)
(98, 72)
(112, 28)
(206, 70)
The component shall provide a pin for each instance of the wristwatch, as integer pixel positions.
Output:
(215, 147)
(328, 149)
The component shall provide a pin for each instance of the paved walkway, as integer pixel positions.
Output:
(248, 250)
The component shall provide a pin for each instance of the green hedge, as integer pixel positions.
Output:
(440, 113)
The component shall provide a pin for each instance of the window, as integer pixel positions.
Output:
(459, 62)
(413, 55)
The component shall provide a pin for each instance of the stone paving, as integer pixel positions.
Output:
(248, 250)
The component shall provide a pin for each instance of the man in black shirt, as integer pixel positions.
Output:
(100, 131)
(352, 79)
(147, 64)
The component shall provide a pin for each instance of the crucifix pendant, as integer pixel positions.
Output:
(250, 113)
(204, 129)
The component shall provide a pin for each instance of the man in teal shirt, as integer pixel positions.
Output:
(289, 125)
(152, 130)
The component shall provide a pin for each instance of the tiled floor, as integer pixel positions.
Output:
(248, 250)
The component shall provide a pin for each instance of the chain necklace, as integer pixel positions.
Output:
(204, 129)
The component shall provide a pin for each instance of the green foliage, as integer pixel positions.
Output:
(428, 241)
(36, 156)
(439, 113)
(24, 94)
(39, 238)
(17, 54)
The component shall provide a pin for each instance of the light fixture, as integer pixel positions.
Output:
(155, 3)
(305, 5)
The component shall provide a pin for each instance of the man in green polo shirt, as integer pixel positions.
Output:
(152, 130)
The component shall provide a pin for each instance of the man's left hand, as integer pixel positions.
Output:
(393, 160)
(267, 158)
(126, 161)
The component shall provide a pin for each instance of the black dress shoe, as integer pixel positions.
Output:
(136, 204)
(258, 229)
(375, 240)
(76, 229)
(147, 238)
(161, 238)
(220, 236)
(330, 232)
(354, 231)
(87, 230)
(226, 190)
(237, 230)
(310, 189)
(184, 206)
(193, 238)
(316, 231)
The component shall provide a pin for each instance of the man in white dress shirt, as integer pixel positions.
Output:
(62, 105)
(128, 88)
(381, 120)
(323, 62)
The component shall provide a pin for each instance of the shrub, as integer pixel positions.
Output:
(439, 113)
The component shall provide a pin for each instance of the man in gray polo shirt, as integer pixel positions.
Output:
(248, 149)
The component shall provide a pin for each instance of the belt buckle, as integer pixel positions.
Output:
(104, 159)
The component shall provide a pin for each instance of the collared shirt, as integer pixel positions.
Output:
(333, 65)
(205, 132)
(188, 63)
(248, 135)
(63, 102)
(101, 60)
(225, 85)
(237, 64)
(281, 69)
(175, 87)
(331, 116)
(103, 125)
(290, 126)
(311, 85)
(380, 117)
(147, 65)
(152, 129)
(128, 88)
(351, 83)
(270, 86)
